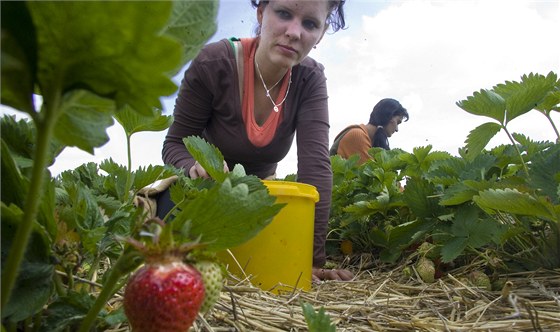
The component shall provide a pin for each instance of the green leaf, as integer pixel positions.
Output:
(402, 235)
(544, 172)
(418, 195)
(551, 101)
(513, 201)
(457, 194)
(209, 157)
(14, 184)
(317, 321)
(84, 120)
(453, 248)
(19, 56)
(468, 230)
(479, 137)
(145, 176)
(132, 122)
(20, 138)
(192, 23)
(226, 216)
(34, 285)
(486, 103)
(122, 56)
(521, 97)
(67, 312)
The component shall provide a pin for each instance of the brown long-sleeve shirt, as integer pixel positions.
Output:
(209, 105)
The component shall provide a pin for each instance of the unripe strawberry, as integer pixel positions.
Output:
(426, 270)
(213, 282)
(480, 279)
(163, 296)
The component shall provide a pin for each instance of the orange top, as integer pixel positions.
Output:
(355, 141)
(258, 135)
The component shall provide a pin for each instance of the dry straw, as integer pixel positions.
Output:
(383, 299)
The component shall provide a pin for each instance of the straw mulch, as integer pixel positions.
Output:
(384, 299)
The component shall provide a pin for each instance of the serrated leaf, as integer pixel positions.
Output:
(145, 176)
(192, 23)
(544, 172)
(226, 216)
(453, 248)
(551, 101)
(486, 103)
(66, 312)
(123, 57)
(84, 120)
(513, 201)
(133, 122)
(19, 56)
(317, 321)
(457, 193)
(209, 157)
(34, 285)
(418, 196)
(479, 137)
(521, 97)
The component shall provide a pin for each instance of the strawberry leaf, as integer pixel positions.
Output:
(521, 97)
(132, 122)
(209, 157)
(84, 119)
(516, 202)
(19, 56)
(192, 23)
(479, 137)
(226, 216)
(486, 103)
(317, 321)
(83, 44)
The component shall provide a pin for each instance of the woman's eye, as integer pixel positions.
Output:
(283, 14)
(309, 24)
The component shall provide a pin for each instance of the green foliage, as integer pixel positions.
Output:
(503, 201)
(507, 101)
(86, 67)
(317, 321)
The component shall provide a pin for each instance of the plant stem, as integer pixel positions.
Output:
(124, 265)
(553, 126)
(59, 285)
(129, 173)
(517, 149)
(32, 202)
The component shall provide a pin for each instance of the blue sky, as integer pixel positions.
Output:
(427, 54)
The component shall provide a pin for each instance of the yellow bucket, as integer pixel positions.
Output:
(280, 257)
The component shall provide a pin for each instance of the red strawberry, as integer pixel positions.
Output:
(163, 296)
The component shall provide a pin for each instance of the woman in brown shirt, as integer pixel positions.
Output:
(249, 97)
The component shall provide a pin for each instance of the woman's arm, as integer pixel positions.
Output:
(190, 116)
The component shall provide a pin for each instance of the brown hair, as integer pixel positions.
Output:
(335, 19)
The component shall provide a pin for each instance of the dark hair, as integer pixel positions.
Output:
(381, 115)
(335, 19)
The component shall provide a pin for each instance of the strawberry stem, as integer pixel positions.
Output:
(126, 263)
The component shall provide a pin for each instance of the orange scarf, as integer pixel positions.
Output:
(258, 135)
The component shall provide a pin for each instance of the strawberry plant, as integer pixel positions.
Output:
(72, 68)
(504, 200)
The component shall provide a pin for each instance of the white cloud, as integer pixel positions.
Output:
(427, 54)
(431, 54)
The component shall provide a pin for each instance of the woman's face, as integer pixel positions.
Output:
(290, 29)
(393, 125)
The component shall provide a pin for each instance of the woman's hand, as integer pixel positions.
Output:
(197, 171)
(334, 274)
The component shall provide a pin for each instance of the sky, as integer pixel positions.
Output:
(426, 54)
